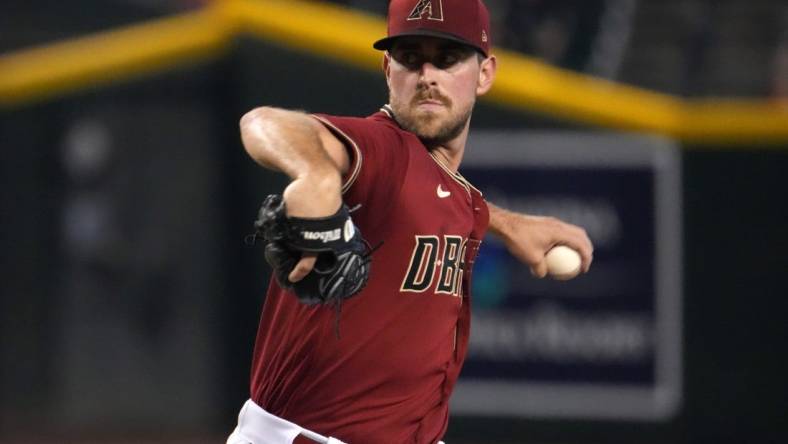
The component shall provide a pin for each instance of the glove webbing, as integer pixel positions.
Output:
(338, 301)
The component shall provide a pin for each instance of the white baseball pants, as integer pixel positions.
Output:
(256, 426)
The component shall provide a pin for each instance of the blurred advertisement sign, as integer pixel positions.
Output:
(606, 344)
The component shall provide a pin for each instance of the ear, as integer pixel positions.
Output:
(487, 70)
(387, 65)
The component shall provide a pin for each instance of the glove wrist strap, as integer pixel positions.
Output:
(322, 233)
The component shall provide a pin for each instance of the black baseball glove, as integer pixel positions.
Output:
(343, 261)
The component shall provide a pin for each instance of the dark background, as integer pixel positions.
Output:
(129, 301)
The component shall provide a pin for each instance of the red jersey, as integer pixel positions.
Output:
(402, 340)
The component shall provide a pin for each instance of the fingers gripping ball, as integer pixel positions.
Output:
(563, 263)
(343, 262)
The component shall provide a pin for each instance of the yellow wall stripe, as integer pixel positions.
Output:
(47, 71)
(522, 80)
(724, 121)
(324, 28)
(347, 35)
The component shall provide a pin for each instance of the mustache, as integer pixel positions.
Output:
(431, 94)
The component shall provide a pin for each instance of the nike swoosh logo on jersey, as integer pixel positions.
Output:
(442, 193)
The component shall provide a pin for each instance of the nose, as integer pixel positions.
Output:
(427, 73)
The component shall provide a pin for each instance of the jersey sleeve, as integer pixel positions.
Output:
(378, 162)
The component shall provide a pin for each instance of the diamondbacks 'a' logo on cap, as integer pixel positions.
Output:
(432, 9)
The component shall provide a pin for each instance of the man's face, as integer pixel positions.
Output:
(433, 84)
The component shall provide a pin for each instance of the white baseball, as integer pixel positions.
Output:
(563, 262)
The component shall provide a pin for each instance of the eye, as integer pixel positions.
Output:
(410, 59)
(447, 59)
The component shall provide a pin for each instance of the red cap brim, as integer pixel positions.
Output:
(385, 43)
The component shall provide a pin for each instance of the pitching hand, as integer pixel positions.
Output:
(529, 238)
